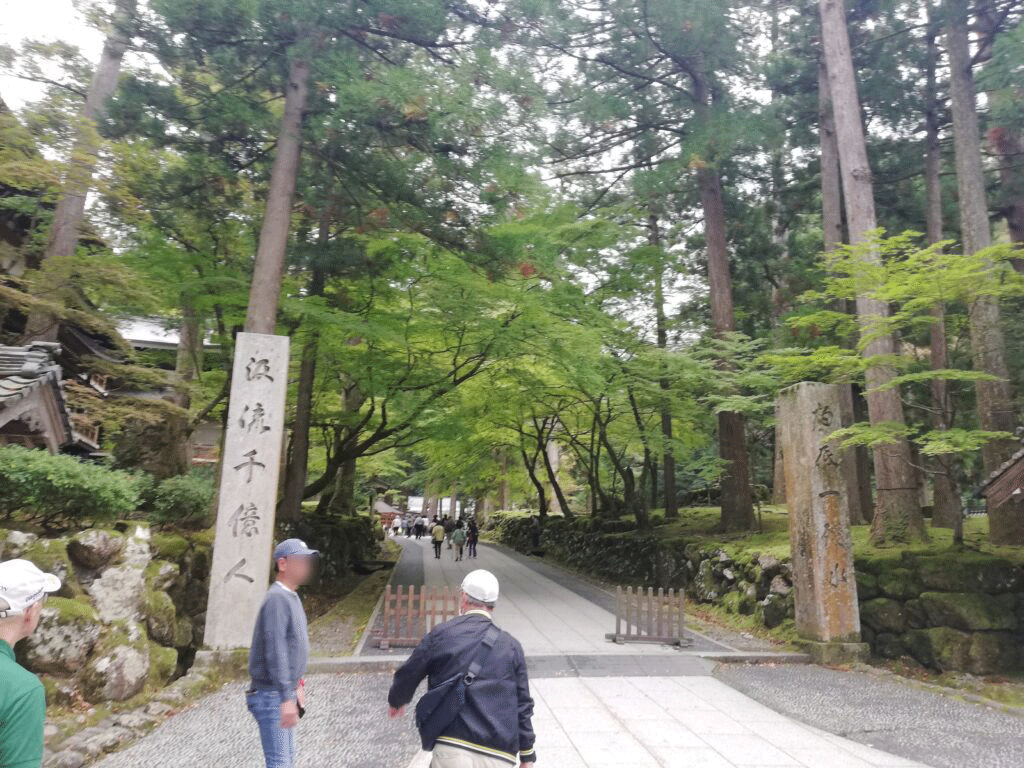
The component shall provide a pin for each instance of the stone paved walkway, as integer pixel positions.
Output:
(598, 704)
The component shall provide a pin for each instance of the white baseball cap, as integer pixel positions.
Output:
(22, 585)
(481, 585)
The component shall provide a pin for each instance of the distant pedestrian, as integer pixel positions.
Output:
(23, 588)
(279, 653)
(469, 660)
(535, 532)
(437, 535)
(472, 537)
(449, 526)
(458, 538)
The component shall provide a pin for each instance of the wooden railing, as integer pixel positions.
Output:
(649, 616)
(408, 613)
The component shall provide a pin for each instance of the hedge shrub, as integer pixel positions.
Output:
(184, 500)
(584, 544)
(341, 541)
(56, 491)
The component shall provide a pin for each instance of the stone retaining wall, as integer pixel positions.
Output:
(954, 611)
(962, 611)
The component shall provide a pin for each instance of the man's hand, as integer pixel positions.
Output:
(289, 714)
(300, 696)
(395, 711)
(527, 765)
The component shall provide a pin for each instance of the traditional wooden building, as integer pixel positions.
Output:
(33, 410)
(1004, 490)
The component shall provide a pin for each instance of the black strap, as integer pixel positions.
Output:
(490, 638)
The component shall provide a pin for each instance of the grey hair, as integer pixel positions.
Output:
(477, 603)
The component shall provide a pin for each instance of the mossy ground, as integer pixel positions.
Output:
(772, 536)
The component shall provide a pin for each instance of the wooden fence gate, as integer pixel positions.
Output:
(649, 617)
(408, 613)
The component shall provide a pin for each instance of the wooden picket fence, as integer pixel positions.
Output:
(649, 616)
(408, 613)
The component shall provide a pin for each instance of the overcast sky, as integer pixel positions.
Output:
(41, 20)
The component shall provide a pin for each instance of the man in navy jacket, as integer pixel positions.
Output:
(494, 728)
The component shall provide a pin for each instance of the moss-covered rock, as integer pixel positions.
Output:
(119, 665)
(774, 610)
(898, 584)
(51, 555)
(163, 663)
(867, 585)
(917, 617)
(939, 648)
(705, 586)
(67, 632)
(888, 646)
(95, 548)
(169, 546)
(969, 572)
(183, 632)
(162, 575)
(993, 652)
(161, 619)
(970, 612)
(883, 616)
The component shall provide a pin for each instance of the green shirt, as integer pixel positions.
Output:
(22, 713)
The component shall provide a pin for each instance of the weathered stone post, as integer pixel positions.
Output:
(825, 590)
(251, 462)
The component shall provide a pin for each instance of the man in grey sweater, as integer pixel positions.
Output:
(279, 653)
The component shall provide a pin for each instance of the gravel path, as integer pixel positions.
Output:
(347, 727)
(889, 714)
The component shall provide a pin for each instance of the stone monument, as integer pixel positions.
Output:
(250, 463)
(825, 590)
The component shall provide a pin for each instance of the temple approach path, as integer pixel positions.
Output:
(598, 704)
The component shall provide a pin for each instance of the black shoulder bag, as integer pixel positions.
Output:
(438, 707)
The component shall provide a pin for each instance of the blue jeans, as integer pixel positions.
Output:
(278, 742)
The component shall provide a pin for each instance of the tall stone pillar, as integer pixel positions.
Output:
(251, 461)
(825, 590)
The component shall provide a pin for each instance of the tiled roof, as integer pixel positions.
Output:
(999, 471)
(23, 369)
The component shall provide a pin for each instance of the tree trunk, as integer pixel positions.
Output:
(897, 516)
(503, 500)
(268, 269)
(946, 511)
(856, 464)
(737, 498)
(343, 500)
(668, 461)
(453, 502)
(70, 210)
(189, 360)
(556, 487)
(538, 483)
(993, 401)
(295, 481)
(1006, 141)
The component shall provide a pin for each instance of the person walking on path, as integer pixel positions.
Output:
(437, 534)
(458, 538)
(493, 728)
(472, 537)
(279, 653)
(23, 588)
(449, 527)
